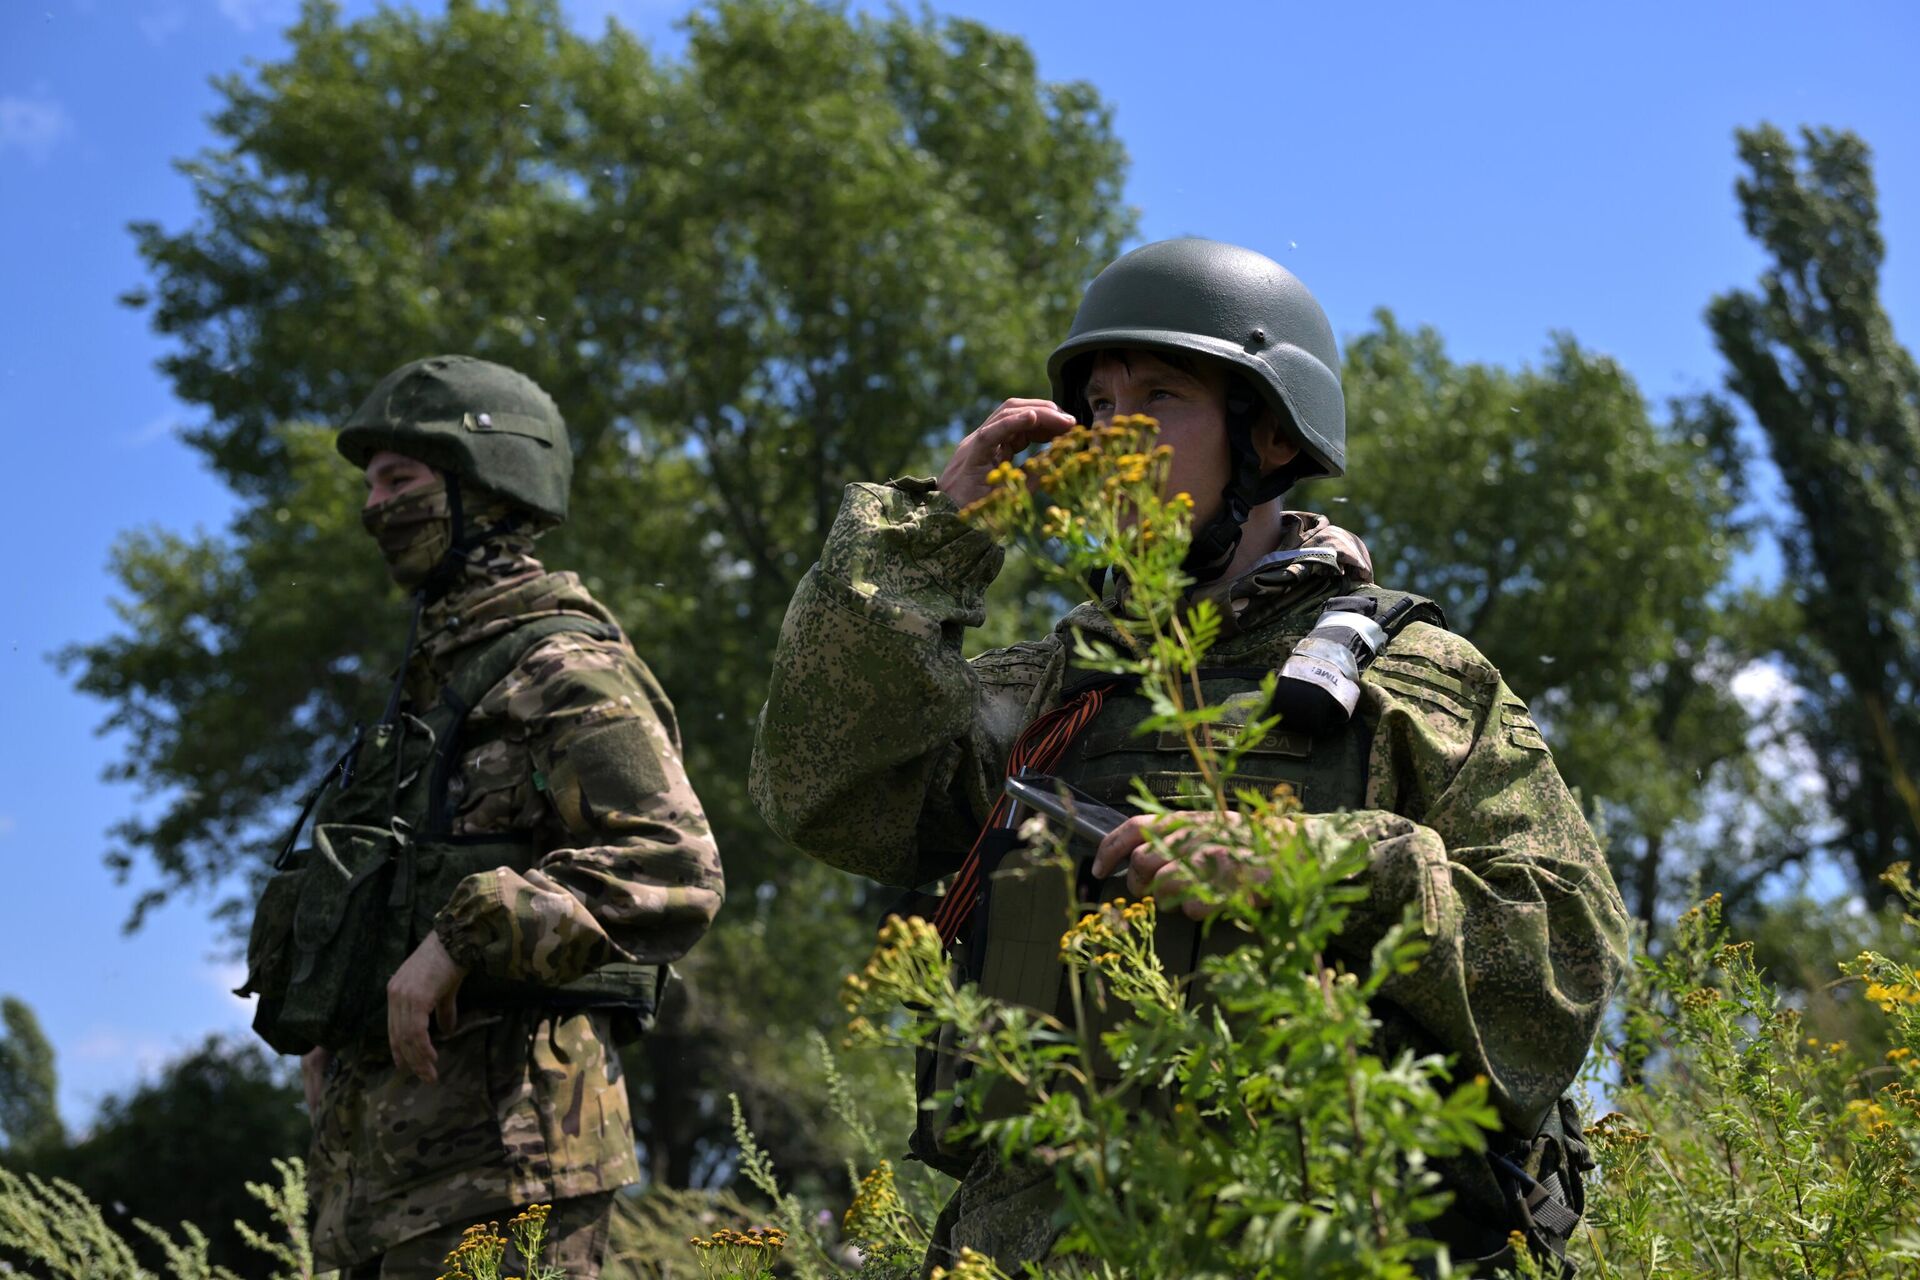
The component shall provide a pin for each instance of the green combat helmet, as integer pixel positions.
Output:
(1239, 307)
(478, 422)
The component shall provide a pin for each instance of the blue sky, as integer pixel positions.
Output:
(1498, 171)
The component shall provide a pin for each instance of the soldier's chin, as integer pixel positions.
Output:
(406, 576)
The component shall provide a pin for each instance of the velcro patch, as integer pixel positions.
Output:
(610, 768)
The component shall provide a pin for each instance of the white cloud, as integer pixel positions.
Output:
(157, 428)
(33, 125)
(7, 825)
(145, 1054)
(225, 975)
(248, 14)
(1769, 695)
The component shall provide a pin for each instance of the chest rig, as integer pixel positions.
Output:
(1006, 933)
(338, 917)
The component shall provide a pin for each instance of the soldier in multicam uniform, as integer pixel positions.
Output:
(510, 857)
(881, 750)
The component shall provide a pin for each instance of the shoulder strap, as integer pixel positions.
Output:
(1391, 610)
(473, 679)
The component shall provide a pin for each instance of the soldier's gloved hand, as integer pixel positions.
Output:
(424, 987)
(1009, 429)
(313, 1076)
(1166, 872)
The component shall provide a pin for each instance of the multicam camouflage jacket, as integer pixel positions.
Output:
(880, 750)
(530, 1105)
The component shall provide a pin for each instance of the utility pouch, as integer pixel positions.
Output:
(335, 954)
(338, 919)
(938, 1072)
(270, 954)
(1028, 906)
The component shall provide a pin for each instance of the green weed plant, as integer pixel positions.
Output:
(1738, 1145)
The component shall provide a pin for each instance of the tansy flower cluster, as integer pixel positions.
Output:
(1093, 474)
(1099, 937)
(906, 958)
(1891, 996)
(1614, 1129)
(739, 1255)
(876, 1205)
(971, 1265)
(481, 1247)
(477, 1256)
(1116, 942)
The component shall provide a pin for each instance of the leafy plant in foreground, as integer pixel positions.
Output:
(1742, 1146)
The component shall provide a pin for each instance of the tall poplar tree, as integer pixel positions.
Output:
(1813, 354)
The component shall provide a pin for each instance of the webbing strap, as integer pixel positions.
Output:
(1039, 747)
(1547, 1203)
(1539, 1204)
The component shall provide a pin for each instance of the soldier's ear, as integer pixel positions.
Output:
(1277, 445)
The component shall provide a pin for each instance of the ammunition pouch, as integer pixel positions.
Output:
(1025, 907)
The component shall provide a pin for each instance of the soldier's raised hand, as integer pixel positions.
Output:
(423, 988)
(1012, 427)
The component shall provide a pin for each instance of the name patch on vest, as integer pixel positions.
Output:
(1220, 737)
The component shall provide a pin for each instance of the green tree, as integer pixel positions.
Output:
(29, 1111)
(1813, 354)
(183, 1147)
(809, 250)
(1584, 546)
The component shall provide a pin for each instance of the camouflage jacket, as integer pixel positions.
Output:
(530, 1105)
(880, 748)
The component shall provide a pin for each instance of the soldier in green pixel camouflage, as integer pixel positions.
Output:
(498, 872)
(880, 749)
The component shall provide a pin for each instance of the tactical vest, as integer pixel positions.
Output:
(1015, 956)
(338, 918)
(1012, 948)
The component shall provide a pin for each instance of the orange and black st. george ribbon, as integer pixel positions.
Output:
(1038, 749)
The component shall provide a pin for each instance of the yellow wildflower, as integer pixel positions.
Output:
(1890, 998)
(876, 1202)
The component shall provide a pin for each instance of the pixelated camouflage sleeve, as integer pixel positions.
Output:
(1471, 826)
(880, 746)
(634, 875)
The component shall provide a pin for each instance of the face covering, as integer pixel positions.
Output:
(414, 531)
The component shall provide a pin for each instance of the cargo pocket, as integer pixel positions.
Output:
(413, 1133)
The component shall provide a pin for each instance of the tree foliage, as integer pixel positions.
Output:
(1585, 546)
(803, 252)
(29, 1083)
(1813, 354)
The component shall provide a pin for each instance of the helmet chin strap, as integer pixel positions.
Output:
(1216, 541)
